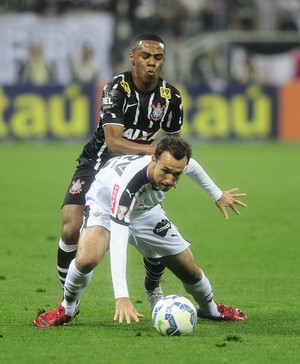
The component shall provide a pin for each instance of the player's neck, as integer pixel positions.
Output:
(142, 86)
(150, 173)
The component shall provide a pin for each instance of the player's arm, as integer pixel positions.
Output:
(173, 120)
(123, 199)
(112, 119)
(119, 234)
(222, 199)
(117, 145)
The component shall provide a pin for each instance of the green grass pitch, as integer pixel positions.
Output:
(252, 261)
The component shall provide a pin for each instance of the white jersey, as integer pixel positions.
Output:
(122, 200)
(125, 179)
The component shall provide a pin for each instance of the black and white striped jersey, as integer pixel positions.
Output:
(141, 114)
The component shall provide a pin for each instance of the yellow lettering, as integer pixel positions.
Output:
(4, 103)
(260, 122)
(212, 118)
(29, 118)
(77, 124)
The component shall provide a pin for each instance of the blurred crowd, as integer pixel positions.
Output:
(179, 16)
(177, 22)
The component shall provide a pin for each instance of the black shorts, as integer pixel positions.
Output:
(79, 185)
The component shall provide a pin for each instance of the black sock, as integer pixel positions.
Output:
(154, 272)
(65, 255)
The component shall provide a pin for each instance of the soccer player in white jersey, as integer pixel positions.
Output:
(124, 204)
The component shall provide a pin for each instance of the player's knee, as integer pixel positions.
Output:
(70, 233)
(85, 264)
(72, 220)
(192, 276)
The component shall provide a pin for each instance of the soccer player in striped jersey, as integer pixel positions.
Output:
(135, 105)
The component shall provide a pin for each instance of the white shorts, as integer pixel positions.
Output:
(153, 235)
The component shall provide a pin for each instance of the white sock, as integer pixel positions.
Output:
(74, 286)
(66, 248)
(203, 294)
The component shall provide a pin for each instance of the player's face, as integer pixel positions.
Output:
(167, 170)
(147, 60)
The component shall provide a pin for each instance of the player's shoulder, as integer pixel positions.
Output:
(135, 173)
(168, 91)
(121, 82)
(135, 161)
(131, 167)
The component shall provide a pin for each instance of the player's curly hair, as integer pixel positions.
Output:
(176, 146)
(146, 36)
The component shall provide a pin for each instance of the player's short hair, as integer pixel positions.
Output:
(176, 146)
(146, 36)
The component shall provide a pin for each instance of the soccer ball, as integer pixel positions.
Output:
(174, 315)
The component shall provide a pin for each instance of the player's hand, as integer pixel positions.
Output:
(229, 199)
(125, 310)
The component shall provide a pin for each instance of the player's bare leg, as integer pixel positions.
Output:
(91, 248)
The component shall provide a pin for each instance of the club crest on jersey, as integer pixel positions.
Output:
(122, 210)
(96, 211)
(125, 86)
(165, 93)
(157, 111)
(76, 187)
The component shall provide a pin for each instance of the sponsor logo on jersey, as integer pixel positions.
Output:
(107, 102)
(122, 210)
(96, 211)
(125, 86)
(130, 105)
(162, 227)
(114, 198)
(131, 194)
(165, 93)
(137, 134)
(157, 111)
(76, 187)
